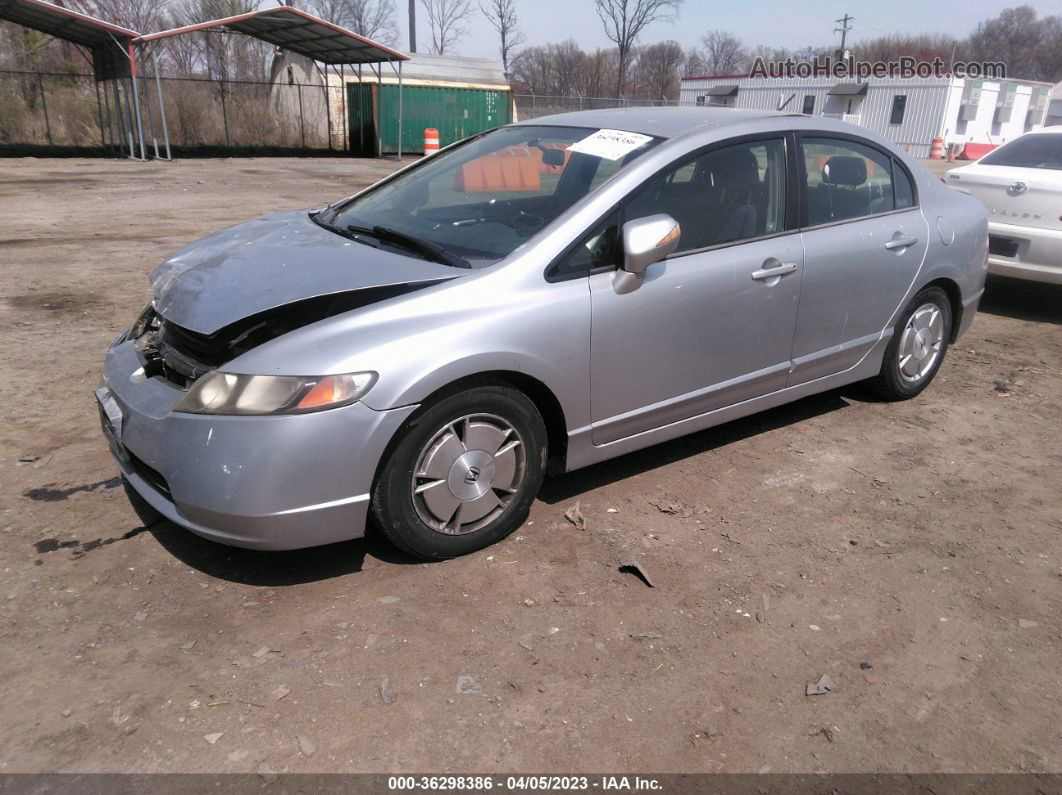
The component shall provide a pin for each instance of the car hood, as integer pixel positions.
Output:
(271, 261)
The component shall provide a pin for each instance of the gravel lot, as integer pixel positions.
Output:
(912, 552)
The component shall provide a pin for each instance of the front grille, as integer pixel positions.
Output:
(188, 354)
(179, 354)
(153, 478)
(1002, 246)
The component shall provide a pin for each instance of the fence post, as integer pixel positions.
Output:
(328, 108)
(44, 106)
(343, 99)
(224, 113)
(162, 111)
(99, 115)
(302, 121)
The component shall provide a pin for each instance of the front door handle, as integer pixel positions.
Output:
(773, 268)
(900, 242)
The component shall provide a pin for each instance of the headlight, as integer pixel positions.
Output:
(230, 393)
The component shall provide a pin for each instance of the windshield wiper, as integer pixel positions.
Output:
(424, 248)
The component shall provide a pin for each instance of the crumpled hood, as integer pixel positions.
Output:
(271, 261)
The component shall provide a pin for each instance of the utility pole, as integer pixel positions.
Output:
(412, 25)
(846, 25)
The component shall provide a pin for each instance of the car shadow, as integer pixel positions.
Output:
(1022, 300)
(565, 487)
(273, 569)
(294, 567)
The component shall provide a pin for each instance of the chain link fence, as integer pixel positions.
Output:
(61, 111)
(56, 112)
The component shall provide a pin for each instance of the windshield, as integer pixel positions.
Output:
(1042, 150)
(473, 204)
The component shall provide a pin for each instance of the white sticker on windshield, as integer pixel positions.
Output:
(610, 144)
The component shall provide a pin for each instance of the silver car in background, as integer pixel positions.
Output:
(537, 298)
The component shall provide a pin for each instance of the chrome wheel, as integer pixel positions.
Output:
(468, 474)
(921, 343)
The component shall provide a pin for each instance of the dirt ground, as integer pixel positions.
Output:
(912, 552)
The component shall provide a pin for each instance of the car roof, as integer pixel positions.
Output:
(663, 122)
(1055, 128)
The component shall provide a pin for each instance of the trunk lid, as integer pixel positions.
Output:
(1020, 196)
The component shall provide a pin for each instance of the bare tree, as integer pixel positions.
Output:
(446, 19)
(218, 54)
(658, 69)
(693, 63)
(624, 20)
(374, 19)
(553, 69)
(599, 72)
(1049, 52)
(501, 14)
(533, 70)
(722, 53)
(1015, 37)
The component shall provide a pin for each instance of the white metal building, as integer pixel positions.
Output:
(976, 114)
(1054, 111)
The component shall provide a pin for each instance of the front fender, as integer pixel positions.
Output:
(420, 343)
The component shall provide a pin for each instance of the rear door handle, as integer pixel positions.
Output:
(773, 268)
(901, 242)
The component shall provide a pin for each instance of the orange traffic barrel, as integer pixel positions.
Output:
(936, 149)
(431, 140)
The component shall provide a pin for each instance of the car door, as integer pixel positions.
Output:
(712, 324)
(864, 241)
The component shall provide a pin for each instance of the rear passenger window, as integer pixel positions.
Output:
(902, 184)
(723, 196)
(846, 180)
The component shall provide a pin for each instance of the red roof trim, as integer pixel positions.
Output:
(272, 12)
(66, 12)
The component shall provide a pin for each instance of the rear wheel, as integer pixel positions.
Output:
(917, 347)
(464, 473)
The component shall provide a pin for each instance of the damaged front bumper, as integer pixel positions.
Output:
(265, 482)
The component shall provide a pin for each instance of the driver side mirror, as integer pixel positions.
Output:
(645, 241)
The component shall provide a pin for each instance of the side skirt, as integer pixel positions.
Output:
(582, 452)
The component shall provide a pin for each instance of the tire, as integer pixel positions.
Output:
(917, 348)
(461, 453)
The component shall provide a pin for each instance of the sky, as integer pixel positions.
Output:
(778, 23)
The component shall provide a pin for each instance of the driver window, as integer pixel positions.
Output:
(725, 195)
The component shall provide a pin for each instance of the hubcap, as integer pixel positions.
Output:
(921, 342)
(468, 474)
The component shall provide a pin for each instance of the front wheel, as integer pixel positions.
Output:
(917, 347)
(464, 473)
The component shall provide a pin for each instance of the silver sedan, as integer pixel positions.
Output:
(534, 299)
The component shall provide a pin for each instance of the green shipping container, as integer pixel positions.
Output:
(455, 112)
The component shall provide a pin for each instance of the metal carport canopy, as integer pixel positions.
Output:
(303, 34)
(109, 43)
(299, 32)
(63, 23)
